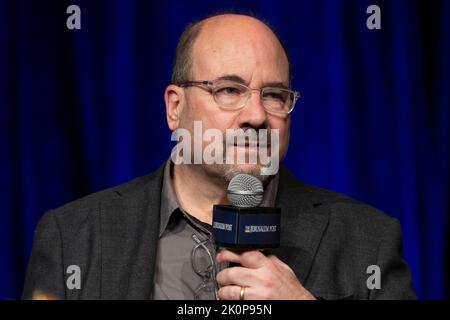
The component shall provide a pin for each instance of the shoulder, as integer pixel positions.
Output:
(88, 207)
(344, 213)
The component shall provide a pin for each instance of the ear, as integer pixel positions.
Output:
(174, 99)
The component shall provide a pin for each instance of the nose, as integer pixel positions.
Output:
(253, 114)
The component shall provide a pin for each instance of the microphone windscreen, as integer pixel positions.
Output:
(245, 191)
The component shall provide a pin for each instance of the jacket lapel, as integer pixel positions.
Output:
(130, 226)
(303, 223)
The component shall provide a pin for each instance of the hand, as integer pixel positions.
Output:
(264, 278)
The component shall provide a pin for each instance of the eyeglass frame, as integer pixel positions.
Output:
(208, 275)
(210, 83)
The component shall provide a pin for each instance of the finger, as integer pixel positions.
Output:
(275, 259)
(249, 259)
(279, 263)
(229, 293)
(228, 256)
(236, 276)
(234, 293)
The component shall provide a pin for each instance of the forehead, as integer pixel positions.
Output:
(244, 47)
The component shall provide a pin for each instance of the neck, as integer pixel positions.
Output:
(197, 191)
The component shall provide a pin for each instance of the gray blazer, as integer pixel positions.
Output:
(328, 239)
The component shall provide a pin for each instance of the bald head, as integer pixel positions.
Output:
(224, 39)
(235, 53)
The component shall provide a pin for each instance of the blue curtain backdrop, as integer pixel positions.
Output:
(83, 110)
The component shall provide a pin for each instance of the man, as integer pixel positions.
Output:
(149, 238)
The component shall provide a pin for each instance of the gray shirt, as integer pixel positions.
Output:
(186, 248)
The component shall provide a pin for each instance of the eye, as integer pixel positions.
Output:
(275, 95)
(229, 91)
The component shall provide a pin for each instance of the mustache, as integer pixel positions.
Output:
(249, 137)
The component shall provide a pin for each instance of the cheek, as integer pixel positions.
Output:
(201, 108)
(191, 112)
(283, 125)
(221, 120)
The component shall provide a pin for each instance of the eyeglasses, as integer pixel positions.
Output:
(231, 95)
(203, 264)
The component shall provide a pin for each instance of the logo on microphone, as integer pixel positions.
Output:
(222, 226)
(252, 229)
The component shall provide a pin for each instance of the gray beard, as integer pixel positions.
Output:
(229, 172)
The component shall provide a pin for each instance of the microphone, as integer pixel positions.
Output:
(244, 225)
